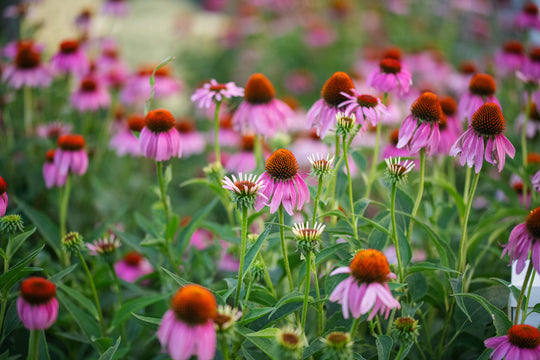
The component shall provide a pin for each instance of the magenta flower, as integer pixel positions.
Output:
(283, 185)
(528, 18)
(243, 160)
(132, 267)
(70, 59)
(481, 90)
(366, 290)
(535, 180)
(487, 123)
(260, 111)
(37, 306)
(27, 69)
(192, 141)
(390, 77)
(391, 150)
(365, 107)
(3, 197)
(50, 172)
(420, 129)
(137, 88)
(116, 7)
(91, 95)
(159, 139)
(104, 246)
(322, 114)
(525, 237)
(214, 92)
(531, 66)
(188, 327)
(124, 141)
(511, 58)
(521, 342)
(245, 190)
(53, 130)
(70, 157)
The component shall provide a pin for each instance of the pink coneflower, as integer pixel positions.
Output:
(450, 109)
(91, 95)
(53, 130)
(448, 136)
(244, 160)
(322, 114)
(391, 149)
(319, 34)
(516, 183)
(511, 58)
(192, 141)
(299, 81)
(50, 172)
(531, 67)
(37, 306)
(528, 18)
(188, 327)
(227, 135)
(365, 107)
(70, 157)
(520, 342)
(390, 77)
(535, 180)
(284, 186)
(84, 19)
(132, 267)
(420, 129)
(481, 90)
(533, 123)
(245, 190)
(159, 139)
(137, 87)
(525, 237)
(459, 81)
(111, 67)
(104, 246)
(214, 92)
(70, 59)
(366, 289)
(487, 122)
(27, 69)
(116, 7)
(260, 111)
(124, 141)
(3, 197)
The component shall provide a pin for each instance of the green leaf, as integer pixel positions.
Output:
(254, 249)
(172, 227)
(269, 333)
(255, 314)
(457, 288)
(46, 227)
(133, 305)
(17, 272)
(384, 347)
(180, 281)
(405, 352)
(265, 343)
(61, 274)
(291, 297)
(313, 348)
(86, 322)
(515, 291)
(427, 266)
(109, 354)
(146, 320)
(500, 320)
(18, 240)
(329, 251)
(153, 82)
(536, 308)
(458, 200)
(82, 300)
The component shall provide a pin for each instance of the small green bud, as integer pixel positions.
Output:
(11, 224)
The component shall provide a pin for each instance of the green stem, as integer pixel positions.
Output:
(467, 187)
(27, 93)
(284, 248)
(354, 327)
(94, 292)
(526, 307)
(419, 194)
(306, 290)
(242, 255)
(267, 277)
(351, 200)
(224, 347)
(463, 246)
(33, 345)
(216, 133)
(522, 292)
(524, 144)
(320, 305)
(332, 187)
(162, 189)
(257, 150)
(317, 197)
(394, 232)
(400, 351)
(120, 298)
(374, 161)
(64, 202)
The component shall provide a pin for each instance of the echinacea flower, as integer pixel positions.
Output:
(420, 129)
(214, 92)
(260, 111)
(533, 121)
(481, 90)
(535, 180)
(50, 171)
(104, 246)
(159, 138)
(116, 7)
(226, 318)
(192, 141)
(308, 237)
(528, 18)
(11, 224)
(53, 130)
(245, 190)
(3, 196)
(124, 141)
(391, 150)
(137, 88)
(322, 114)
(531, 68)
(70, 156)
(132, 266)
(396, 172)
(290, 342)
(525, 237)
(338, 345)
(91, 95)
(188, 327)
(405, 329)
(487, 123)
(283, 185)
(390, 77)
(511, 58)
(366, 107)
(70, 59)
(321, 165)
(27, 69)
(37, 306)
(366, 289)
(520, 342)
(243, 160)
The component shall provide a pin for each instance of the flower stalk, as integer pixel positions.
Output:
(242, 255)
